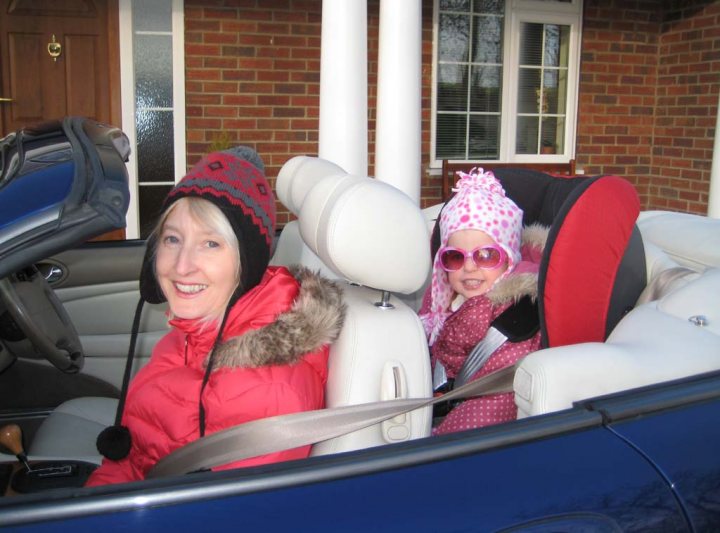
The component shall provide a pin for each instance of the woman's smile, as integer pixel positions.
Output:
(189, 290)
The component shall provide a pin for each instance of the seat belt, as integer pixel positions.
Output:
(286, 432)
(517, 323)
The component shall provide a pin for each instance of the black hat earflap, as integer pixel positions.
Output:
(149, 287)
(114, 442)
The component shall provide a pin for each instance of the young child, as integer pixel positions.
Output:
(486, 262)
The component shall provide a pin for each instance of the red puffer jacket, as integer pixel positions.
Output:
(273, 361)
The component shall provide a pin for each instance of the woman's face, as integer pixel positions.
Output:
(471, 280)
(195, 266)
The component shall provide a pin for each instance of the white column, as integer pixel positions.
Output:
(714, 197)
(343, 137)
(398, 139)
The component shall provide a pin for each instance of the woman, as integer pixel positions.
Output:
(247, 341)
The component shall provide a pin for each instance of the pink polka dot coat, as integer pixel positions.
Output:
(464, 328)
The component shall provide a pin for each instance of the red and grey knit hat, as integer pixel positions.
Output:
(234, 181)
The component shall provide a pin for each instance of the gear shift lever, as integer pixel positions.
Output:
(11, 438)
(46, 474)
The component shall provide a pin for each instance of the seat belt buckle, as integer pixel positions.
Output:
(441, 382)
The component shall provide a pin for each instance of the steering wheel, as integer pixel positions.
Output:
(40, 314)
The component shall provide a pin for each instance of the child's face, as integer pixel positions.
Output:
(470, 280)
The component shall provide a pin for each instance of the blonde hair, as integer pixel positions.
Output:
(206, 213)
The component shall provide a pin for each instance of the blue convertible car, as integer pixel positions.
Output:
(618, 424)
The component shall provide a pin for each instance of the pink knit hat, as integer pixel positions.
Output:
(480, 204)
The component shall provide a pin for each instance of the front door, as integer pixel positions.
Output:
(58, 58)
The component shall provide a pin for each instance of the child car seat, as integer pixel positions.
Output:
(593, 267)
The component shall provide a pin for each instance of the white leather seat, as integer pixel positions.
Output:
(376, 239)
(371, 237)
(72, 429)
(657, 341)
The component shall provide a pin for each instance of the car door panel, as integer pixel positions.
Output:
(688, 458)
(99, 290)
(111, 261)
(464, 482)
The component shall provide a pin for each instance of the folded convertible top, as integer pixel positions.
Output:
(61, 183)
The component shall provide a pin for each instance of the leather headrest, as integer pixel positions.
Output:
(298, 176)
(364, 230)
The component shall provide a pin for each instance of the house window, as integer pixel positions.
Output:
(542, 88)
(153, 104)
(505, 79)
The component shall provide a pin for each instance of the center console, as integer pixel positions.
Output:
(44, 475)
(19, 475)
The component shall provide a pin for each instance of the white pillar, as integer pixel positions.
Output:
(343, 137)
(714, 197)
(398, 137)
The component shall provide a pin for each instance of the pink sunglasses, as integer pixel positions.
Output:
(486, 257)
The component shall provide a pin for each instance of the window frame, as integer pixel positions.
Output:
(516, 13)
(129, 121)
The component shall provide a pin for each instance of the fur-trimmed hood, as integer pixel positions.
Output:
(314, 320)
(523, 281)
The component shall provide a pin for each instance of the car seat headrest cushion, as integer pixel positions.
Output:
(585, 249)
(367, 232)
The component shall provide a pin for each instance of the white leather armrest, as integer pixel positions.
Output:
(699, 297)
(655, 342)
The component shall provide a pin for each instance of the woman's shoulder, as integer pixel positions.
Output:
(311, 321)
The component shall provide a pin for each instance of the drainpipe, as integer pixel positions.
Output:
(714, 197)
(343, 135)
(398, 137)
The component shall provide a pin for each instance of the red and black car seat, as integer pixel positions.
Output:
(593, 267)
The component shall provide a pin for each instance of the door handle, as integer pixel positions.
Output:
(54, 48)
(6, 99)
(51, 272)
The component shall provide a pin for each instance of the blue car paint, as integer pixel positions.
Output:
(590, 478)
(689, 458)
(31, 194)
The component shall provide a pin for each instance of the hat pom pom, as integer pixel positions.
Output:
(248, 154)
(479, 179)
(114, 442)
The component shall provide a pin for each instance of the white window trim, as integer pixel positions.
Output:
(509, 119)
(178, 44)
(518, 11)
(127, 98)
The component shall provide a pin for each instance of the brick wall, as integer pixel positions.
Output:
(648, 97)
(687, 106)
(648, 94)
(253, 77)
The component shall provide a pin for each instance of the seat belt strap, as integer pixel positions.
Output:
(479, 355)
(286, 432)
(517, 323)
